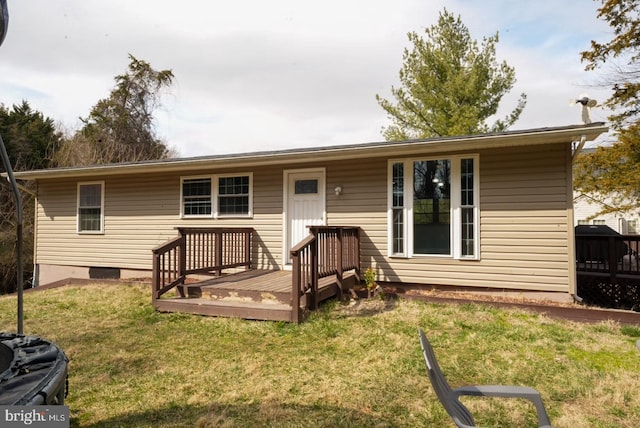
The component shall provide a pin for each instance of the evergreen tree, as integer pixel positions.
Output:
(450, 85)
(30, 139)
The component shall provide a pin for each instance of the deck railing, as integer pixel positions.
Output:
(327, 251)
(199, 251)
(608, 270)
(608, 256)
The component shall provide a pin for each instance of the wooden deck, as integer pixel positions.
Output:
(608, 270)
(250, 294)
(323, 265)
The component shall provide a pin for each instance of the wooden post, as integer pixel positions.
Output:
(339, 266)
(357, 253)
(155, 281)
(182, 267)
(314, 274)
(218, 252)
(613, 259)
(295, 289)
(247, 249)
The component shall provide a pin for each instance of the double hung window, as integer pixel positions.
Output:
(90, 216)
(233, 195)
(196, 197)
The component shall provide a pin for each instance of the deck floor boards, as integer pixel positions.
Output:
(237, 290)
(252, 280)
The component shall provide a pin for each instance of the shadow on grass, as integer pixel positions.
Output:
(271, 413)
(173, 415)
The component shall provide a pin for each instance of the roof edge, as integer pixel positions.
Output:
(546, 135)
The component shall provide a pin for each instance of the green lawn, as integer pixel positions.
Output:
(349, 365)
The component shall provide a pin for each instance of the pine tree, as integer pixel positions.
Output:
(450, 85)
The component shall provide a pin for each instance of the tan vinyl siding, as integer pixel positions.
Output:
(363, 202)
(524, 210)
(523, 222)
(524, 219)
(141, 214)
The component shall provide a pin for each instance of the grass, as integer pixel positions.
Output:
(350, 365)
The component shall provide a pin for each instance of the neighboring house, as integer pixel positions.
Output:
(586, 209)
(491, 210)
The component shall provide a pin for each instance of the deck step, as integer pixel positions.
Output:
(251, 294)
(217, 293)
(233, 295)
(222, 308)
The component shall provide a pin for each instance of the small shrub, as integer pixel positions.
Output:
(370, 278)
(372, 286)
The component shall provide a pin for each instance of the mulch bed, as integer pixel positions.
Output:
(554, 309)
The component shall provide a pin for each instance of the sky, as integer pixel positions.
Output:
(255, 75)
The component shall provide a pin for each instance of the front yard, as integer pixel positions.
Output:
(350, 365)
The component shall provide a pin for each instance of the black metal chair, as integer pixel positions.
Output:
(450, 398)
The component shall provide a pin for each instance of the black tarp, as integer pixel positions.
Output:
(33, 371)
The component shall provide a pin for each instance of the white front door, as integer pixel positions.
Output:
(305, 205)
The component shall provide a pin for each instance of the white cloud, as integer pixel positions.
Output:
(254, 75)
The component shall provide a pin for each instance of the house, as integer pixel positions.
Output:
(586, 209)
(607, 249)
(492, 210)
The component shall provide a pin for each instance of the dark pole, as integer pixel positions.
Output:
(4, 20)
(4, 25)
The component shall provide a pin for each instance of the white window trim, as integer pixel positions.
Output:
(405, 228)
(216, 208)
(102, 191)
(455, 226)
(457, 210)
(214, 196)
(194, 177)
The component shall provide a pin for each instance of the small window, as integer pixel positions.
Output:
(196, 197)
(397, 209)
(233, 195)
(90, 207)
(600, 222)
(467, 208)
(309, 187)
